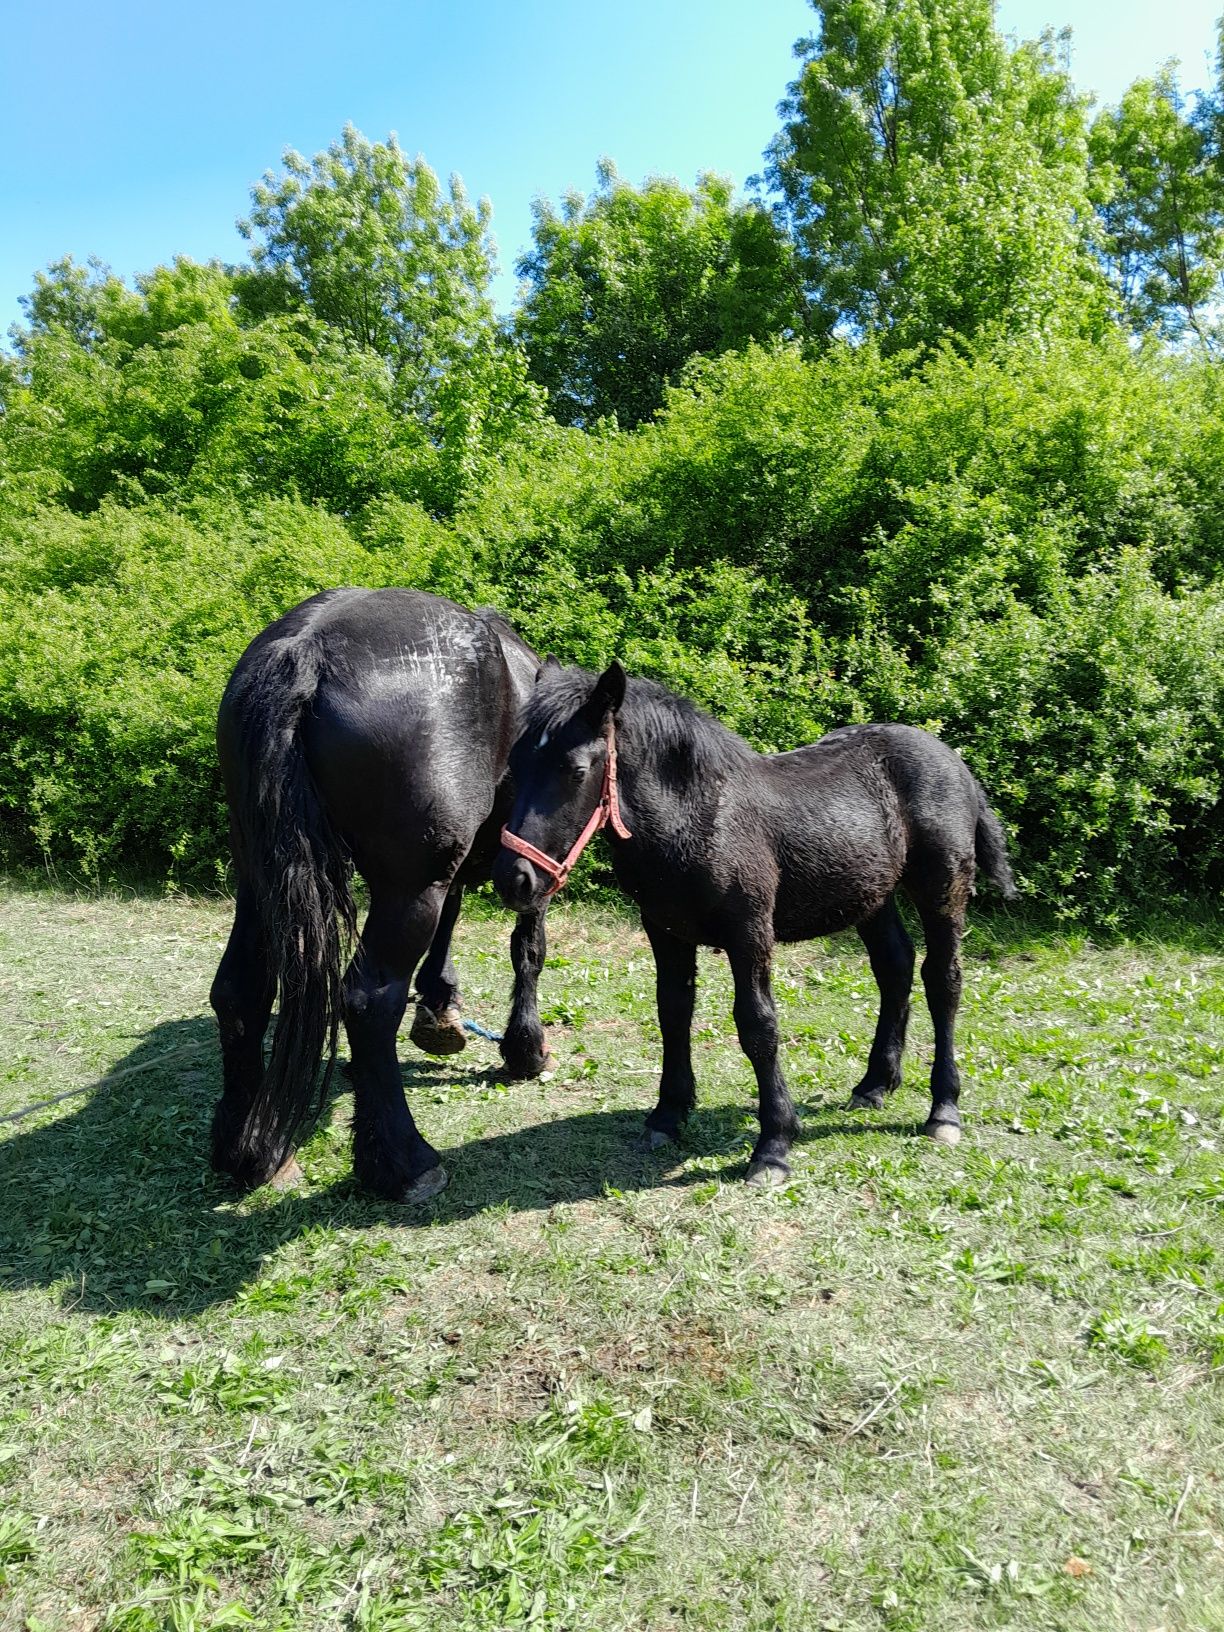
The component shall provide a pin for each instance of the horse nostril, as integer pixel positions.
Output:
(515, 881)
(524, 881)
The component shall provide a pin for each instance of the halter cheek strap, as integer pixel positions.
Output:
(606, 813)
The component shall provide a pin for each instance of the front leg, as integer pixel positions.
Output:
(523, 1048)
(675, 994)
(756, 1022)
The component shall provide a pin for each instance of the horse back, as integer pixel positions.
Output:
(865, 809)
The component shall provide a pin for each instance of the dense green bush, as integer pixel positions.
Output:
(119, 631)
(1017, 547)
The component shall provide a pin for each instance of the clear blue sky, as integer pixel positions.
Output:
(133, 130)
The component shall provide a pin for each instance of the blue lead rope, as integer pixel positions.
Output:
(479, 1031)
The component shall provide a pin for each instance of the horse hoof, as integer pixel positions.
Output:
(767, 1175)
(288, 1175)
(441, 1033)
(943, 1133)
(654, 1139)
(527, 1072)
(873, 1101)
(429, 1184)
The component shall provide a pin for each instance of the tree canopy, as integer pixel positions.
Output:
(620, 290)
(935, 178)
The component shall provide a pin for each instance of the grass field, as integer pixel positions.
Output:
(590, 1388)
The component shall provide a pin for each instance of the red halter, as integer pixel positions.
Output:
(607, 811)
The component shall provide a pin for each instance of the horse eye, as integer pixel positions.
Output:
(578, 770)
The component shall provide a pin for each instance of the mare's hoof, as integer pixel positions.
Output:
(429, 1184)
(943, 1133)
(655, 1139)
(438, 1033)
(767, 1175)
(872, 1100)
(288, 1175)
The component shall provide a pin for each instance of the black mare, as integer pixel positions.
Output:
(365, 729)
(739, 850)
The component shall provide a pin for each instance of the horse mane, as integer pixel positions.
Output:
(652, 720)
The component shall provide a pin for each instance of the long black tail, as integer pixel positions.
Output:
(300, 871)
(990, 848)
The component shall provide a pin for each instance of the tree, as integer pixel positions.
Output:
(1160, 206)
(371, 244)
(622, 289)
(164, 391)
(936, 179)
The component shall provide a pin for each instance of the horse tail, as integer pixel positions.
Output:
(300, 871)
(990, 848)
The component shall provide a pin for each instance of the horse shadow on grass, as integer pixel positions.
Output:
(116, 1207)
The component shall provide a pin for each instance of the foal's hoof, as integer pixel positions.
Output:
(429, 1184)
(767, 1175)
(438, 1033)
(654, 1139)
(872, 1100)
(943, 1133)
(288, 1175)
(526, 1070)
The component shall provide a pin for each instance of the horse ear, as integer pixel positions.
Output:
(609, 692)
(550, 662)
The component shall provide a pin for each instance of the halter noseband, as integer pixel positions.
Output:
(606, 812)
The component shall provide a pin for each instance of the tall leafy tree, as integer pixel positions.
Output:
(378, 248)
(1158, 193)
(373, 244)
(936, 178)
(620, 290)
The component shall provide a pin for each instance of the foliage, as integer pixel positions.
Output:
(127, 395)
(622, 289)
(1157, 192)
(936, 178)
(374, 247)
(120, 632)
(947, 489)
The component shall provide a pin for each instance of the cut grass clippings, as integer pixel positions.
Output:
(588, 1387)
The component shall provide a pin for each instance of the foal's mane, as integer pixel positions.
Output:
(651, 721)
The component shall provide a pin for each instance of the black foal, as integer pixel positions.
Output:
(721, 846)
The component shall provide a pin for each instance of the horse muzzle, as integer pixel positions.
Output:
(517, 881)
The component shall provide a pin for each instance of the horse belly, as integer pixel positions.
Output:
(839, 881)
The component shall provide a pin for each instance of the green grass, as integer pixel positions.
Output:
(590, 1388)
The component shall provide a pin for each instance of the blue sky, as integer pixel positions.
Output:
(134, 130)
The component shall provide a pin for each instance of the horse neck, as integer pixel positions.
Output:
(668, 774)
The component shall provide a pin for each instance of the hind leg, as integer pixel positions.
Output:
(389, 1155)
(892, 963)
(242, 995)
(436, 1026)
(943, 923)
